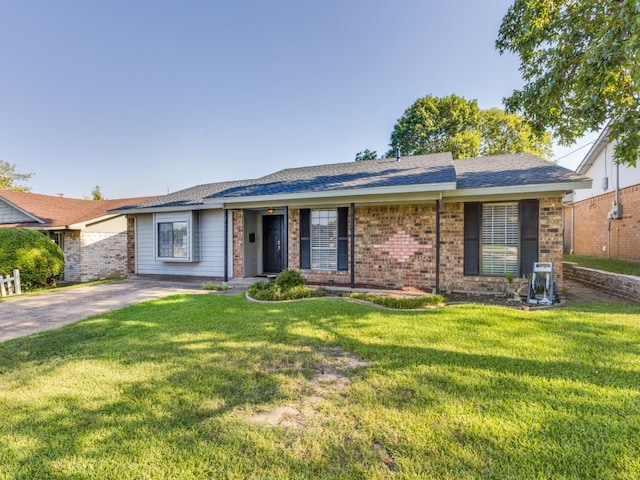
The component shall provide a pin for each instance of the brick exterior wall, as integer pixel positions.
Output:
(104, 255)
(93, 256)
(550, 231)
(238, 243)
(395, 248)
(596, 234)
(72, 256)
(131, 245)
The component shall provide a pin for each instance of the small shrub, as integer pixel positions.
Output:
(39, 260)
(214, 286)
(265, 291)
(400, 303)
(320, 292)
(271, 291)
(294, 293)
(288, 279)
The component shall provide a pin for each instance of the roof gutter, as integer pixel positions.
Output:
(347, 193)
(152, 209)
(518, 190)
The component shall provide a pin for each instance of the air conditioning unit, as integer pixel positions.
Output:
(616, 211)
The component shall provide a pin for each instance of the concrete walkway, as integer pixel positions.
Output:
(24, 315)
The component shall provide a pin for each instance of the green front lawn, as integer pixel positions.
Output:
(606, 264)
(174, 389)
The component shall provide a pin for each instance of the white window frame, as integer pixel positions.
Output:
(500, 239)
(324, 239)
(191, 239)
(179, 230)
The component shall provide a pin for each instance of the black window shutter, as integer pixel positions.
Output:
(472, 224)
(343, 238)
(529, 215)
(305, 238)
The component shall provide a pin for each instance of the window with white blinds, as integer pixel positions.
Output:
(500, 239)
(324, 239)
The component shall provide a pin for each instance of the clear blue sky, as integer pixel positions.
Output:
(142, 97)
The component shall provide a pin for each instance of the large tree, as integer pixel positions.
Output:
(503, 132)
(580, 60)
(9, 178)
(457, 125)
(438, 124)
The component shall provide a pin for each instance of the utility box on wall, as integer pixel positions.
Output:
(616, 211)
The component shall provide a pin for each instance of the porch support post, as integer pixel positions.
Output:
(285, 240)
(226, 245)
(437, 246)
(353, 245)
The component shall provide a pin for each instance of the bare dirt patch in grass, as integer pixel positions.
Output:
(330, 378)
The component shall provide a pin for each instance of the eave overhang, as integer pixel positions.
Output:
(403, 193)
(517, 191)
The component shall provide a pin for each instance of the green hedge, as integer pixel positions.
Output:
(39, 260)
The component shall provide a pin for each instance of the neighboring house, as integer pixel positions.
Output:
(94, 242)
(424, 222)
(604, 220)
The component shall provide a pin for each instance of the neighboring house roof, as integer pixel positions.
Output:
(592, 155)
(419, 176)
(49, 211)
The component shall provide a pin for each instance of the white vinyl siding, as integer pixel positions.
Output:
(604, 166)
(500, 239)
(324, 239)
(210, 243)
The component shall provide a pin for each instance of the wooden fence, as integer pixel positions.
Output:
(10, 285)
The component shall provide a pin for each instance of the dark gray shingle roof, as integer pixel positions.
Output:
(417, 170)
(510, 170)
(188, 197)
(481, 172)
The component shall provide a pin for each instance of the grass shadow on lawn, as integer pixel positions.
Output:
(161, 390)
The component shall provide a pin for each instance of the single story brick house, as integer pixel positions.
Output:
(94, 242)
(424, 222)
(604, 220)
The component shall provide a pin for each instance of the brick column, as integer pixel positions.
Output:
(238, 243)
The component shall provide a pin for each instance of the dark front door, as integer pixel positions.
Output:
(272, 243)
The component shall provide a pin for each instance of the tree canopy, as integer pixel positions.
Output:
(580, 60)
(457, 125)
(96, 193)
(366, 155)
(503, 132)
(9, 178)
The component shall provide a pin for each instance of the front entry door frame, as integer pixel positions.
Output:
(273, 243)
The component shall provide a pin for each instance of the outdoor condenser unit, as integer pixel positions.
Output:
(542, 289)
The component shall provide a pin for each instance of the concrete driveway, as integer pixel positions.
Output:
(23, 315)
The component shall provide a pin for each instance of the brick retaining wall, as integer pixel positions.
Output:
(624, 286)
